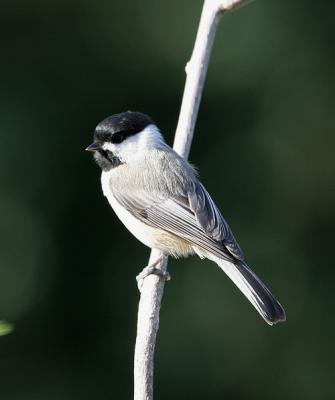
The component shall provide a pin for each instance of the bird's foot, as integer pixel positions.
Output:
(152, 269)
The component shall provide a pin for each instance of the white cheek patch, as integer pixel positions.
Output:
(109, 146)
(125, 150)
(135, 145)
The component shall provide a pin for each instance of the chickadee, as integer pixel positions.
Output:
(159, 198)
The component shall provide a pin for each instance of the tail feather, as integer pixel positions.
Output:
(254, 290)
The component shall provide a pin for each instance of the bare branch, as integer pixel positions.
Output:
(230, 5)
(153, 286)
(147, 327)
(196, 70)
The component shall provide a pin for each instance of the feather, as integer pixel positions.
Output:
(253, 289)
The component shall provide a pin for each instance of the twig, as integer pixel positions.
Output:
(153, 287)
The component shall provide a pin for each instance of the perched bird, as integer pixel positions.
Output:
(159, 198)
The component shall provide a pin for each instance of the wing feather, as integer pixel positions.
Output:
(211, 220)
(191, 215)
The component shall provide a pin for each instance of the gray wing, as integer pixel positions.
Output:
(191, 214)
(211, 220)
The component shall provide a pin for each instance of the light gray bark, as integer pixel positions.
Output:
(153, 286)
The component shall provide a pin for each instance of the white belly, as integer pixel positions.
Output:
(154, 238)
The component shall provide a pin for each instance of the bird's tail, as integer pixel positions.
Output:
(253, 289)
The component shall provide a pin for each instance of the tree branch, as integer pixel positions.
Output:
(153, 286)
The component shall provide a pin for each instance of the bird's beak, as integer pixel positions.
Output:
(93, 147)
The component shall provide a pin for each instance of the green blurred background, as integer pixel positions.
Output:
(264, 145)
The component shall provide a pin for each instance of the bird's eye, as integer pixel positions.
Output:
(117, 138)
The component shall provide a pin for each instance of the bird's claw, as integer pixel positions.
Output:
(151, 269)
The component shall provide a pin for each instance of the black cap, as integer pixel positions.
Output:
(126, 124)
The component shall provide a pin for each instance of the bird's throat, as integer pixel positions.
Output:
(107, 160)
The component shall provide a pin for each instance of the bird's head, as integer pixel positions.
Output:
(120, 138)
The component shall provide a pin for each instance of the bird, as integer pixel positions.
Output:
(159, 198)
